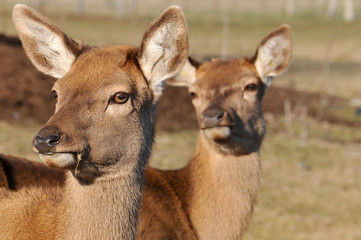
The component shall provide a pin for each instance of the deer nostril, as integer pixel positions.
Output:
(214, 115)
(46, 143)
(53, 139)
(220, 115)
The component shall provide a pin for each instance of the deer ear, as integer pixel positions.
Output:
(49, 49)
(187, 76)
(274, 54)
(164, 48)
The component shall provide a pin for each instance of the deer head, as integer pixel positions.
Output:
(106, 97)
(227, 95)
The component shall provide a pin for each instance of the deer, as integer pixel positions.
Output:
(17, 173)
(214, 195)
(101, 133)
(216, 192)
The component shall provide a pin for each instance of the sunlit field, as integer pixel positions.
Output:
(311, 184)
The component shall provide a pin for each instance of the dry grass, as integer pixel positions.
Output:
(16, 139)
(308, 192)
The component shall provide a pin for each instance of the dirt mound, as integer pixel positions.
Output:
(176, 110)
(25, 93)
(319, 106)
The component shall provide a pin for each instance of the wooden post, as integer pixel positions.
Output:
(134, 7)
(119, 4)
(80, 7)
(304, 127)
(349, 11)
(225, 37)
(288, 117)
(331, 8)
(290, 8)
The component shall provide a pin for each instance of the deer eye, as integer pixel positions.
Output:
(193, 95)
(55, 94)
(251, 87)
(121, 97)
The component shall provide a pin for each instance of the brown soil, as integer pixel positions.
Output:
(25, 94)
(24, 91)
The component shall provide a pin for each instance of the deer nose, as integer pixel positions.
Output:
(46, 140)
(212, 116)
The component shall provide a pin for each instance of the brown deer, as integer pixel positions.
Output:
(217, 190)
(101, 132)
(214, 195)
(17, 173)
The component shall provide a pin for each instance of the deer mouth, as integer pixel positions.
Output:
(58, 159)
(218, 133)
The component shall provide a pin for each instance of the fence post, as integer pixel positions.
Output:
(80, 7)
(304, 127)
(225, 37)
(290, 8)
(349, 11)
(119, 4)
(331, 8)
(288, 117)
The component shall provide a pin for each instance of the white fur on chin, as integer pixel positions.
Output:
(218, 133)
(61, 160)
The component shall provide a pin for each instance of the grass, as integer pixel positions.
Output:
(168, 156)
(308, 192)
(16, 139)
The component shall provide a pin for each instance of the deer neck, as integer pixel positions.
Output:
(223, 191)
(105, 209)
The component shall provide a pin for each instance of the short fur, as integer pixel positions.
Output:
(216, 192)
(103, 142)
(214, 195)
(15, 173)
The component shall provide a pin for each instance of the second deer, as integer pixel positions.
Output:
(215, 193)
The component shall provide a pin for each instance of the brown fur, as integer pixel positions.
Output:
(18, 173)
(214, 195)
(103, 143)
(218, 189)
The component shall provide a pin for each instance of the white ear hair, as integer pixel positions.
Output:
(274, 54)
(49, 49)
(164, 48)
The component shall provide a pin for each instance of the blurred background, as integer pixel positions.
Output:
(311, 156)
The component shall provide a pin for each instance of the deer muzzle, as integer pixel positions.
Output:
(45, 143)
(216, 123)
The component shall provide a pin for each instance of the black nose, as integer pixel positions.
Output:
(212, 116)
(46, 140)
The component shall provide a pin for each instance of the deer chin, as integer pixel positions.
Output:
(218, 133)
(229, 142)
(60, 160)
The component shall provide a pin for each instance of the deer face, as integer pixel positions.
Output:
(106, 97)
(227, 95)
(99, 113)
